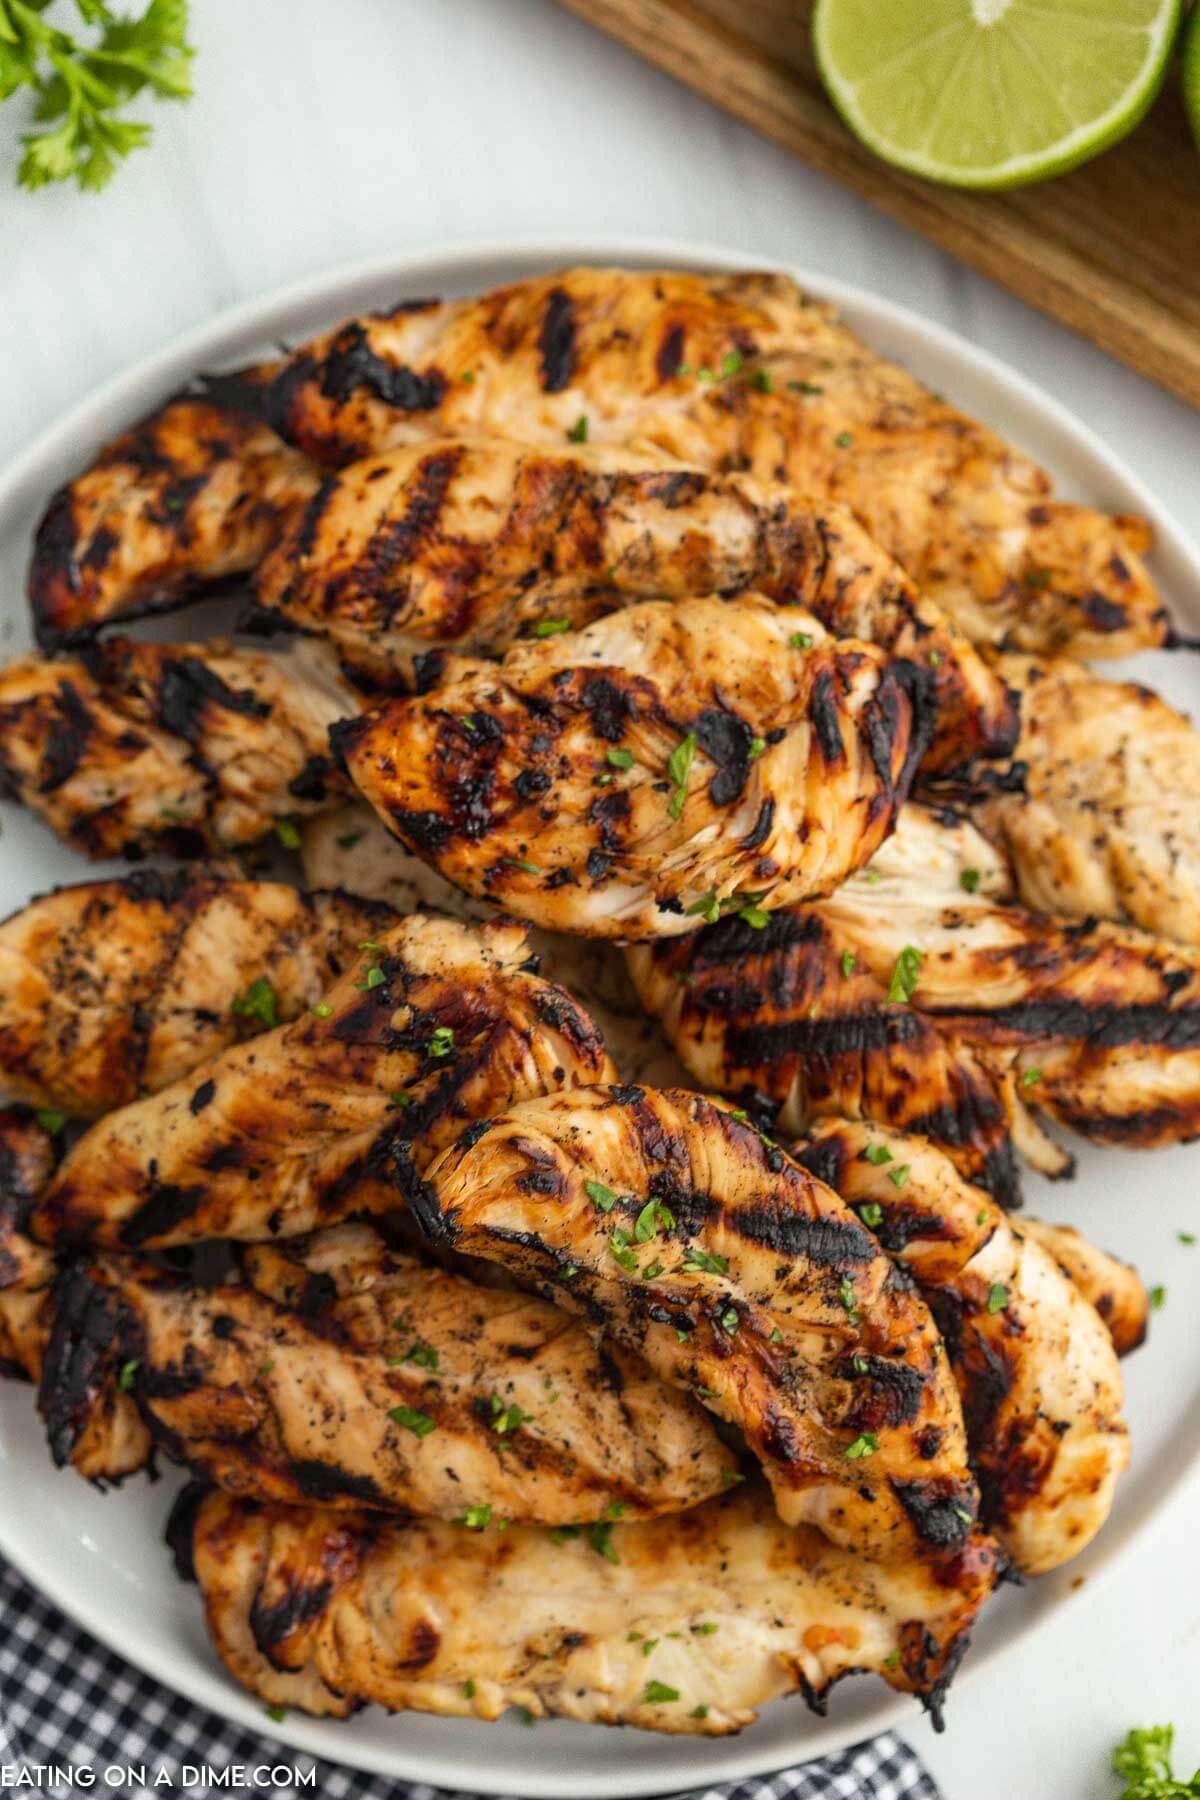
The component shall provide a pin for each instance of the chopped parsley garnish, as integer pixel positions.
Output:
(515, 862)
(866, 1444)
(265, 1368)
(905, 975)
(981, 1216)
(935, 659)
(508, 1418)
(900, 1174)
(776, 1335)
(698, 1712)
(968, 880)
(603, 1195)
(1030, 1077)
(708, 906)
(843, 440)
(468, 1686)
(745, 906)
(1038, 578)
(400, 1099)
(419, 1423)
(877, 1154)
(599, 1536)
(286, 832)
(260, 1001)
(649, 1645)
(442, 1041)
(551, 627)
(730, 1320)
(757, 746)
(859, 1365)
(801, 640)
(370, 944)
(476, 1518)
(619, 1244)
(620, 759)
(653, 1215)
(679, 767)
(652, 1270)
(997, 1298)
(705, 1262)
(276, 1713)
(732, 363)
(1145, 1762)
(424, 1354)
(561, 1534)
(705, 1630)
(805, 387)
(373, 978)
(871, 1214)
(731, 1477)
(1158, 1298)
(846, 1296)
(50, 1119)
(616, 1509)
(1186, 1237)
(892, 1660)
(762, 380)
(849, 963)
(128, 1373)
(578, 433)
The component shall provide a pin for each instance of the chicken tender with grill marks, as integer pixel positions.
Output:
(739, 1277)
(324, 1610)
(1095, 1024)
(434, 1025)
(140, 748)
(363, 1377)
(115, 989)
(473, 545)
(1116, 1290)
(192, 495)
(733, 371)
(1035, 1365)
(781, 1017)
(1107, 823)
(625, 780)
(108, 1438)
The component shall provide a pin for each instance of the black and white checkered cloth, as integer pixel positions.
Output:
(66, 1700)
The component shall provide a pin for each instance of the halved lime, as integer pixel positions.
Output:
(1191, 70)
(992, 93)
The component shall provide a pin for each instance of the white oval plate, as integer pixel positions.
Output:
(100, 1557)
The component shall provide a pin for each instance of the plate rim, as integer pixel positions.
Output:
(124, 397)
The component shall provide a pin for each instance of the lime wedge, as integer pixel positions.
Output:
(993, 93)
(1191, 70)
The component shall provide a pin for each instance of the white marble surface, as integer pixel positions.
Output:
(325, 131)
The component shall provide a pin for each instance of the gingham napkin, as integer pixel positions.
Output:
(66, 1700)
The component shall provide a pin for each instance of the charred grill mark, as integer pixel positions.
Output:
(852, 1034)
(1104, 614)
(828, 1242)
(725, 739)
(942, 1511)
(165, 1207)
(351, 363)
(312, 783)
(77, 1356)
(66, 739)
(322, 1482)
(398, 540)
(888, 1395)
(761, 828)
(608, 707)
(556, 342)
(53, 576)
(274, 1624)
(825, 718)
(1104, 1026)
(188, 686)
(179, 1532)
(202, 1097)
(670, 351)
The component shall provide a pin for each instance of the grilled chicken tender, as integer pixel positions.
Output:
(115, 989)
(190, 496)
(435, 1025)
(1095, 1024)
(150, 747)
(350, 848)
(325, 1610)
(473, 545)
(732, 371)
(1117, 1291)
(626, 779)
(363, 1377)
(1036, 1368)
(1107, 823)
(108, 1438)
(737, 1276)
(781, 1016)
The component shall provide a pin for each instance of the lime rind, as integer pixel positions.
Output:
(943, 82)
(1190, 71)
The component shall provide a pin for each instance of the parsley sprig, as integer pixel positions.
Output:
(1144, 1763)
(80, 88)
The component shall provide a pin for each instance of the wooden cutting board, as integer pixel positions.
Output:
(1112, 249)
